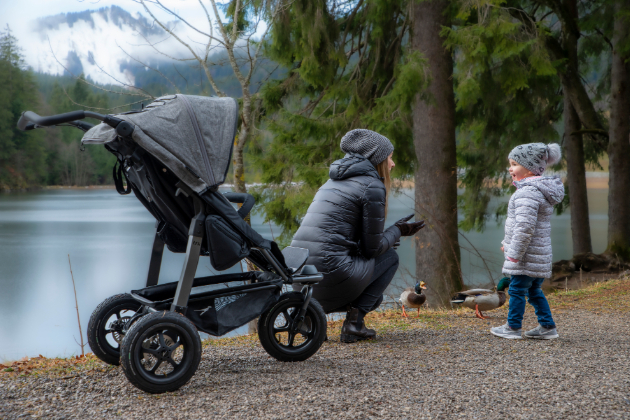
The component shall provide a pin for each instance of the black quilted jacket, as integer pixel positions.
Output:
(344, 231)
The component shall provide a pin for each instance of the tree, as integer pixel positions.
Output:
(437, 250)
(22, 156)
(73, 165)
(523, 44)
(574, 146)
(349, 67)
(619, 135)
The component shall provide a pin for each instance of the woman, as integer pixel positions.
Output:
(344, 231)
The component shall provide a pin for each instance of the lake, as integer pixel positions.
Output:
(109, 238)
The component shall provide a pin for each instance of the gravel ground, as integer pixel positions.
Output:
(433, 367)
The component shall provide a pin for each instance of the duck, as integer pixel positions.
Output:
(413, 297)
(483, 299)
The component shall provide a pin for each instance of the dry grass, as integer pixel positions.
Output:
(607, 297)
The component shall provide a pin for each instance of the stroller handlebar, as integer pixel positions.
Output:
(30, 120)
(36, 120)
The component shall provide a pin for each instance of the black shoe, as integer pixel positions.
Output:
(351, 332)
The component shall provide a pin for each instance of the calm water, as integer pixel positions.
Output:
(109, 237)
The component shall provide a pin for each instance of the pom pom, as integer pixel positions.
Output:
(554, 152)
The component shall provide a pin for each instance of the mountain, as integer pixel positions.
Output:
(98, 43)
(109, 46)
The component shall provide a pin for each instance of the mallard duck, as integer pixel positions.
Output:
(483, 299)
(413, 297)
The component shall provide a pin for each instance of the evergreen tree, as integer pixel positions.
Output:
(74, 165)
(22, 156)
(530, 49)
(348, 68)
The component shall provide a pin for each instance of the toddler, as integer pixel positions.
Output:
(527, 241)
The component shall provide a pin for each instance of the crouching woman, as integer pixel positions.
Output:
(344, 231)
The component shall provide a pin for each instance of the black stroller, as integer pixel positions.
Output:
(174, 155)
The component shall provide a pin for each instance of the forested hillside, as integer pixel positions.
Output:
(54, 156)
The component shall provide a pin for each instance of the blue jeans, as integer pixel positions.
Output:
(521, 286)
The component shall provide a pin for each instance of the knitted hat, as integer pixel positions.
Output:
(536, 156)
(368, 144)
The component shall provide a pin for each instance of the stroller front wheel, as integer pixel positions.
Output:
(161, 352)
(286, 338)
(108, 324)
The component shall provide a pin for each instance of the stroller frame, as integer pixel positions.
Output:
(164, 310)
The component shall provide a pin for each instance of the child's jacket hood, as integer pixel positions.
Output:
(550, 186)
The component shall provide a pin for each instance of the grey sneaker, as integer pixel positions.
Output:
(505, 331)
(542, 333)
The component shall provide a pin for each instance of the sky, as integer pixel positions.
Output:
(105, 43)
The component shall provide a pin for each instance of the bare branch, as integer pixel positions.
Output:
(146, 65)
(192, 51)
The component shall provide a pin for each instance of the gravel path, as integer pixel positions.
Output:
(438, 367)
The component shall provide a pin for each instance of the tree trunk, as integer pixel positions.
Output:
(574, 151)
(576, 180)
(619, 145)
(437, 247)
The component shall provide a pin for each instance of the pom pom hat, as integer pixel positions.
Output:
(367, 143)
(536, 156)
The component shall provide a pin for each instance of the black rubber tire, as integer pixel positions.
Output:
(162, 324)
(313, 340)
(96, 331)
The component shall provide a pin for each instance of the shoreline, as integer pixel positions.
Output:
(593, 284)
(436, 364)
(594, 180)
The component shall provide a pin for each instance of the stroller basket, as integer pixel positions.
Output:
(219, 311)
(174, 154)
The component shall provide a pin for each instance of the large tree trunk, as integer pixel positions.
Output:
(619, 145)
(437, 247)
(574, 150)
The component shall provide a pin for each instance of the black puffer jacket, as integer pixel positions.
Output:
(343, 229)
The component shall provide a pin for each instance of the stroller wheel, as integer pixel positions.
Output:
(107, 325)
(161, 352)
(285, 338)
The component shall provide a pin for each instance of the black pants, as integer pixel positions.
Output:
(385, 267)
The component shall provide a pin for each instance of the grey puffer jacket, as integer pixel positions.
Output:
(344, 231)
(528, 226)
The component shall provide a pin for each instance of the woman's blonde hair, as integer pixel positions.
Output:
(383, 171)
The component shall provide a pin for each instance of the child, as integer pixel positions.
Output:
(527, 242)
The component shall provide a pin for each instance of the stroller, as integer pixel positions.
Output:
(174, 154)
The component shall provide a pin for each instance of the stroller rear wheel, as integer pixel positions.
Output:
(287, 339)
(108, 324)
(161, 352)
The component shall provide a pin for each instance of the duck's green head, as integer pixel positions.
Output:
(419, 287)
(504, 283)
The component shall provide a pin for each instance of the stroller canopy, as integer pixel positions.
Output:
(192, 135)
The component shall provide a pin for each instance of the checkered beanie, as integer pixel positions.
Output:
(367, 143)
(536, 156)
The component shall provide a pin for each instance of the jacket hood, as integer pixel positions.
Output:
(352, 165)
(550, 186)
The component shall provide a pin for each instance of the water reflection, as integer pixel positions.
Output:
(109, 237)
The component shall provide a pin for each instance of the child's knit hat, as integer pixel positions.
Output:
(367, 143)
(536, 156)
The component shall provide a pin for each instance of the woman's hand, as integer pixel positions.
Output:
(502, 250)
(409, 229)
